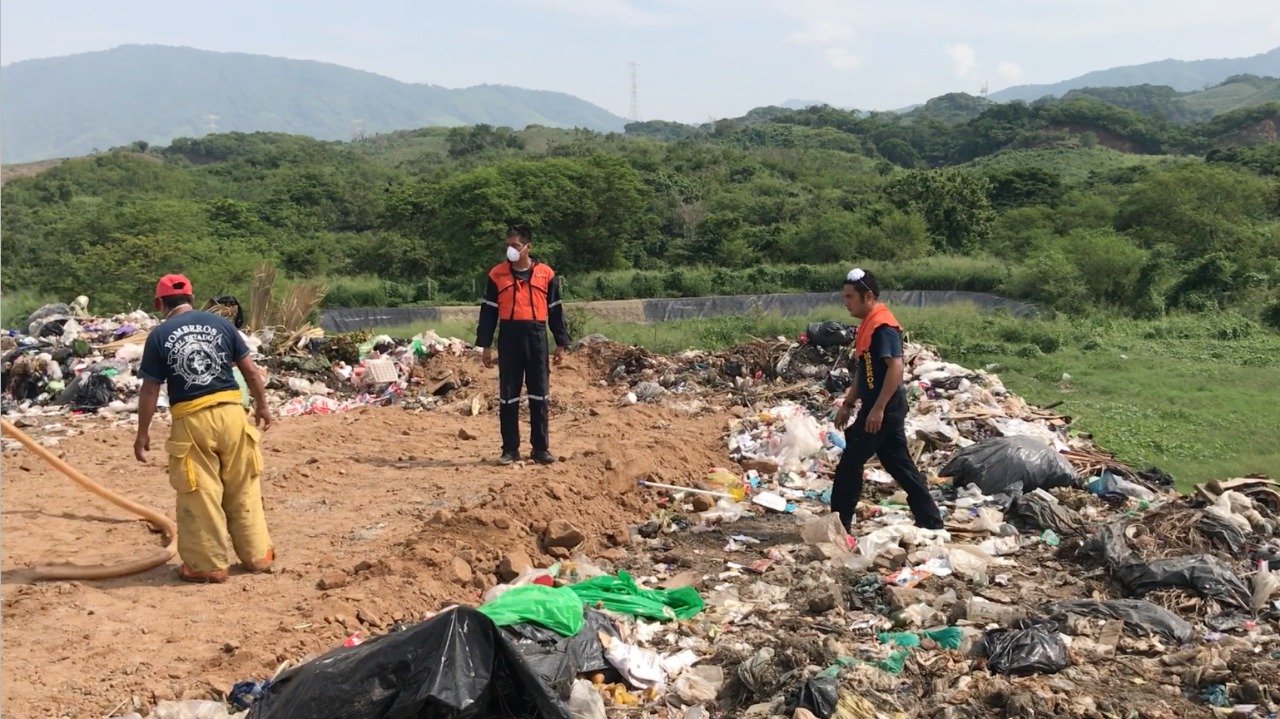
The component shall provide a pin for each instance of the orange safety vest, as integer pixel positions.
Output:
(519, 300)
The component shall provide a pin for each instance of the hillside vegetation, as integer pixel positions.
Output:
(1074, 204)
(1240, 91)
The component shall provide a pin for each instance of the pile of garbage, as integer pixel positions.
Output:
(66, 362)
(1064, 583)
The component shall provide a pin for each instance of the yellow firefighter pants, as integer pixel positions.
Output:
(215, 463)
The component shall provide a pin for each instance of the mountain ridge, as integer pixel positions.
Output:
(1181, 75)
(74, 104)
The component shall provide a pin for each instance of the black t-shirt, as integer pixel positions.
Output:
(871, 369)
(194, 354)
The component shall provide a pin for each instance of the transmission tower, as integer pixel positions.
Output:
(984, 90)
(635, 94)
(357, 130)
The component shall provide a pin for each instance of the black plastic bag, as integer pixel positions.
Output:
(1141, 618)
(818, 696)
(1009, 466)
(457, 665)
(558, 660)
(228, 301)
(1033, 511)
(1222, 533)
(52, 317)
(830, 334)
(838, 380)
(1032, 647)
(1204, 574)
(1156, 477)
(96, 391)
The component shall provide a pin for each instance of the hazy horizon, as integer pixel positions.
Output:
(697, 60)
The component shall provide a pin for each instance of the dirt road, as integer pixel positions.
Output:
(394, 503)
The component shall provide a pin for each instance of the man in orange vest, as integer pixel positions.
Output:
(522, 299)
(880, 426)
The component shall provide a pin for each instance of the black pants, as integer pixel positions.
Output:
(522, 362)
(890, 445)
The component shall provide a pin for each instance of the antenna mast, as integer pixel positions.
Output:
(635, 94)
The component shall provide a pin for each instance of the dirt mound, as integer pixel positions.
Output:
(390, 507)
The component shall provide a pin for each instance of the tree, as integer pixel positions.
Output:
(1108, 263)
(465, 141)
(1200, 209)
(900, 153)
(1049, 278)
(953, 204)
(896, 236)
(826, 237)
(1024, 186)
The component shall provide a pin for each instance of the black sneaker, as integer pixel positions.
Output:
(509, 458)
(542, 456)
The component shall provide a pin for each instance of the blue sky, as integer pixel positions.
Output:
(698, 59)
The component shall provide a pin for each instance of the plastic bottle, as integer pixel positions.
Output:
(836, 439)
(727, 481)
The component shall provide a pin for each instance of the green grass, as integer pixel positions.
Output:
(1186, 394)
(1193, 396)
(15, 307)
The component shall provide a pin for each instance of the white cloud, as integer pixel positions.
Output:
(842, 59)
(1009, 72)
(822, 33)
(832, 37)
(963, 59)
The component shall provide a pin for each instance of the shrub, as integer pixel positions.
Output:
(1271, 316)
(357, 292)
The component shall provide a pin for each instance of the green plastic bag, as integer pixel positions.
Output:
(945, 637)
(244, 386)
(894, 662)
(556, 608)
(621, 594)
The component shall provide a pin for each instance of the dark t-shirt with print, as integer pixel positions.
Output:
(193, 353)
(871, 369)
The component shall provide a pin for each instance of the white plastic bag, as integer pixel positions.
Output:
(700, 685)
(1265, 584)
(641, 668)
(585, 702)
(192, 709)
(828, 530)
(131, 352)
(803, 438)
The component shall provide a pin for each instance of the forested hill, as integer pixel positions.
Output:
(67, 106)
(1072, 204)
(1181, 75)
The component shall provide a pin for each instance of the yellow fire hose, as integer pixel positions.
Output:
(101, 571)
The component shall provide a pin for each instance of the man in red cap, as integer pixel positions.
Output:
(215, 458)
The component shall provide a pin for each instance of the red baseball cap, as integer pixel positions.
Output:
(171, 285)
